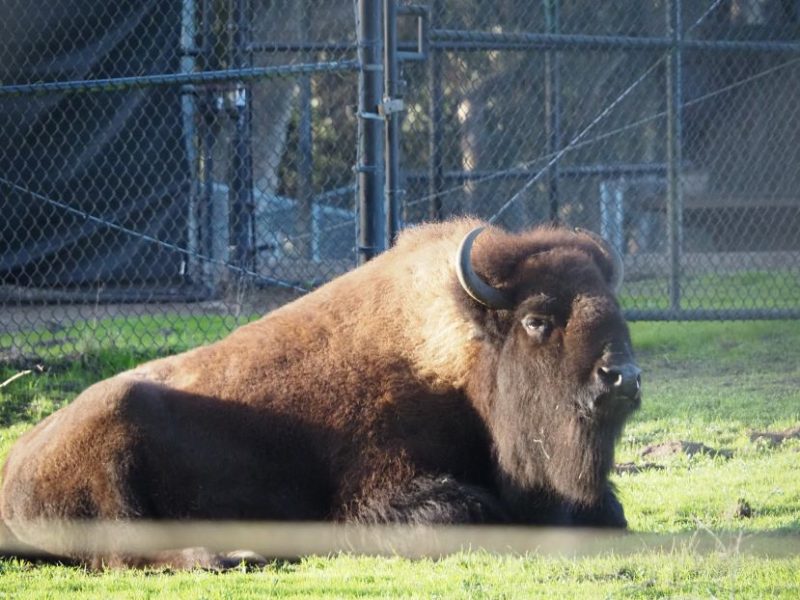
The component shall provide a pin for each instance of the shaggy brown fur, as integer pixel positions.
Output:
(386, 395)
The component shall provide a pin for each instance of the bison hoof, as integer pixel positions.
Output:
(246, 558)
(204, 560)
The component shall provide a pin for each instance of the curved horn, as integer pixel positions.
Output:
(477, 288)
(611, 253)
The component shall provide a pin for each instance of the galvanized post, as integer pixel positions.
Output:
(242, 208)
(371, 221)
(214, 238)
(305, 168)
(674, 146)
(392, 106)
(552, 105)
(188, 112)
(436, 131)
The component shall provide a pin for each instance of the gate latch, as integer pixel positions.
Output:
(389, 106)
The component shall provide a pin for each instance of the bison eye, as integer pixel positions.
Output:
(537, 326)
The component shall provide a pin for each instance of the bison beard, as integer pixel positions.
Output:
(468, 375)
(555, 468)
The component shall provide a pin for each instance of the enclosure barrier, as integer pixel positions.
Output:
(193, 160)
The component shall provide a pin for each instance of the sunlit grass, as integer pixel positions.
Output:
(676, 574)
(719, 291)
(710, 383)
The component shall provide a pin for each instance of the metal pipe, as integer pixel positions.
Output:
(455, 39)
(436, 175)
(305, 167)
(313, 47)
(190, 140)
(552, 105)
(393, 187)
(371, 218)
(241, 190)
(207, 142)
(303, 46)
(115, 84)
(441, 39)
(571, 172)
(674, 157)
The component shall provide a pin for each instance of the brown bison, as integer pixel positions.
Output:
(468, 375)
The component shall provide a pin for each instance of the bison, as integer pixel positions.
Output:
(467, 375)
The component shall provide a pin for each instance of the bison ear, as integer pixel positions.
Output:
(610, 253)
(473, 285)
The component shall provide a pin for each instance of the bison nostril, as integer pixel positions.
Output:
(623, 380)
(610, 377)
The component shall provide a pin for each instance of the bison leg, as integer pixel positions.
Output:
(607, 513)
(432, 500)
(548, 508)
(185, 559)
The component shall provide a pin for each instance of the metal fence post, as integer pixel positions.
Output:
(392, 105)
(305, 166)
(207, 141)
(674, 147)
(242, 208)
(436, 130)
(371, 213)
(552, 105)
(188, 112)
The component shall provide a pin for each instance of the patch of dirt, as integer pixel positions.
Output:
(680, 446)
(775, 438)
(631, 468)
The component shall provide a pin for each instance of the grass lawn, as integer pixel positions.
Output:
(711, 455)
(720, 291)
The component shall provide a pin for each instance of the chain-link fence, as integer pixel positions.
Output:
(667, 126)
(171, 167)
(170, 159)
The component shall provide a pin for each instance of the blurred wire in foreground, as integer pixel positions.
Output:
(292, 540)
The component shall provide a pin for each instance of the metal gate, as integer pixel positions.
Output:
(696, 245)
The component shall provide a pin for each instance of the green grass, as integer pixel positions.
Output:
(85, 352)
(743, 290)
(677, 574)
(126, 337)
(711, 383)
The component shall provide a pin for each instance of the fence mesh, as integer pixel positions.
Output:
(174, 167)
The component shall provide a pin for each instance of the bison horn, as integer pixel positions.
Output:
(477, 288)
(611, 254)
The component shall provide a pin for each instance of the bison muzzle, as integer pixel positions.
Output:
(468, 375)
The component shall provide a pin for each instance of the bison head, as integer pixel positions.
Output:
(556, 377)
